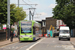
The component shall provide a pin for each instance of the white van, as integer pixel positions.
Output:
(64, 33)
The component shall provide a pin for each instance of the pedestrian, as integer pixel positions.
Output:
(48, 33)
(11, 36)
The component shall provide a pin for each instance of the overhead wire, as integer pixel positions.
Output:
(27, 3)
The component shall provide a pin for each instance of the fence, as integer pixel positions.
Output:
(2, 35)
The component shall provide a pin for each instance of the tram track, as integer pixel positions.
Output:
(23, 45)
(15, 46)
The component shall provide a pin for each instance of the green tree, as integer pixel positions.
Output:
(65, 10)
(3, 11)
(20, 14)
(12, 13)
(16, 13)
(69, 15)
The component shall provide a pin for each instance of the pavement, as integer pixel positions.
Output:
(72, 41)
(6, 42)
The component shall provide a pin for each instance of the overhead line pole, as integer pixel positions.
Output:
(29, 9)
(18, 3)
(31, 14)
(8, 19)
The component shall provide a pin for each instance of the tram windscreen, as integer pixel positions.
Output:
(26, 27)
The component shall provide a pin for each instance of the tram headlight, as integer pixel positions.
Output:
(30, 35)
(21, 36)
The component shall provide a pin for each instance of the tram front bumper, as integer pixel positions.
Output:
(26, 39)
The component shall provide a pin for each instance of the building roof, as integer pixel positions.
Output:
(49, 18)
(39, 21)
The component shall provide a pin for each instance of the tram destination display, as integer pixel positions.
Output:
(26, 27)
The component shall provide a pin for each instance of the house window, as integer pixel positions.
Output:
(44, 24)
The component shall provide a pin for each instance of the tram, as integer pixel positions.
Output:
(29, 30)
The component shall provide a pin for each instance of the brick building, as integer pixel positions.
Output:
(60, 22)
(40, 23)
(43, 27)
(45, 24)
(50, 21)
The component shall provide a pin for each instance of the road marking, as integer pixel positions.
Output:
(53, 41)
(49, 43)
(68, 46)
(65, 46)
(35, 44)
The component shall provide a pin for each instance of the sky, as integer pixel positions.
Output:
(43, 8)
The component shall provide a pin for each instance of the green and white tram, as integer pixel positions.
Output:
(29, 30)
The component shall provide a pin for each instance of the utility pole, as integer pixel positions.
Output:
(18, 3)
(31, 14)
(29, 9)
(8, 19)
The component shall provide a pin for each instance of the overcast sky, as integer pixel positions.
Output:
(44, 7)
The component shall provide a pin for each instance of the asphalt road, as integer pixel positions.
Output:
(53, 44)
(42, 44)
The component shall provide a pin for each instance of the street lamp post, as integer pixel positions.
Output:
(8, 18)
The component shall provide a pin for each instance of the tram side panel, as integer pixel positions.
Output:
(37, 31)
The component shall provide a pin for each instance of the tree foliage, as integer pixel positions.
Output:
(65, 10)
(3, 11)
(12, 13)
(20, 14)
(16, 13)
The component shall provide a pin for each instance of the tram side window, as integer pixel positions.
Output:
(34, 30)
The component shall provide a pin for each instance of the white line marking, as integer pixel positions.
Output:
(53, 41)
(35, 44)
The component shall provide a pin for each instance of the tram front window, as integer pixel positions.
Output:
(26, 27)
